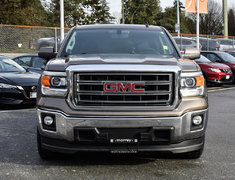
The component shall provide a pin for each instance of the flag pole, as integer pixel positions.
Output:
(197, 28)
(178, 18)
(61, 20)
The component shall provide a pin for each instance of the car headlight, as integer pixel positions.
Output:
(215, 70)
(192, 84)
(7, 86)
(54, 84)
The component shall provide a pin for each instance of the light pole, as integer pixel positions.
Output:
(197, 29)
(61, 20)
(225, 14)
(178, 18)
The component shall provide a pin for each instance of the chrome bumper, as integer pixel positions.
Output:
(65, 124)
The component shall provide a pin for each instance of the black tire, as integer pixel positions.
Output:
(44, 153)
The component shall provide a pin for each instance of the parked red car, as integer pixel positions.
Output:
(222, 58)
(214, 73)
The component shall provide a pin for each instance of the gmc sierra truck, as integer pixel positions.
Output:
(121, 89)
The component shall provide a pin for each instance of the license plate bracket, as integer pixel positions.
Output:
(125, 146)
(227, 76)
(33, 95)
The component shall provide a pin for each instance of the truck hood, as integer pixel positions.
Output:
(61, 64)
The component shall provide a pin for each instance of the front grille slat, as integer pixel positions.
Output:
(126, 102)
(146, 82)
(123, 93)
(158, 89)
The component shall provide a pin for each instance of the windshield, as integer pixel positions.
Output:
(8, 65)
(203, 59)
(120, 41)
(232, 53)
(226, 57)
(226, 42)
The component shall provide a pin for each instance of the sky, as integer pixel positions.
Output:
(115, 5)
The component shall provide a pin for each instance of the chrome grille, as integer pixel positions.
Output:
(158, 89)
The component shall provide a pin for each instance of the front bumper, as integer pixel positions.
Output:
(219, 79)
(15, 96)
(176, 133)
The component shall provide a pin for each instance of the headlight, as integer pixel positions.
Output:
(192, 84)
(215, 70)
(54, 84)
(7, 86)
(54, 81)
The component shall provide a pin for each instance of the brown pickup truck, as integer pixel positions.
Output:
(121, 89)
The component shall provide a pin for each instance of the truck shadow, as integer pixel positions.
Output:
(87, 159)
(16, 107)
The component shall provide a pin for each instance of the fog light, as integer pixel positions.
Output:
(48, 120)
(197, 120)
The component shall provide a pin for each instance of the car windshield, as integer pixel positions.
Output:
(226, 57)
(8, 65)
(120, 41)
(226, 42)
(232, 53)
(203, 59)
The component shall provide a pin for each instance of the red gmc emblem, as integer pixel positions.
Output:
(120, 87)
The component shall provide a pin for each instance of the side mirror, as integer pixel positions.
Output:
(47, 53)
(191, 54)
(26, 68)
(42, 68)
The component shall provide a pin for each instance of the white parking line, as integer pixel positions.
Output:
(221, 89)
(15, 110)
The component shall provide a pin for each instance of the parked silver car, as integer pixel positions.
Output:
(209, 44)
(186, 43)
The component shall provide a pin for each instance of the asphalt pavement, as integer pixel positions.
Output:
(19, 158)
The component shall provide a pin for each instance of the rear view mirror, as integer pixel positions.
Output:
(191, 54)
(47, 53)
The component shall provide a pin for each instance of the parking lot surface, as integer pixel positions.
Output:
(19, 158)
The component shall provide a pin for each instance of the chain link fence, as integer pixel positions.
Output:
(207, 42)
(27, 39)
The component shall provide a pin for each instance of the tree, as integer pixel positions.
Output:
(141, 11)
(231, 22)
(23, 12)
(212, 23)
(78, 12)
(168, 19)
(99, 12)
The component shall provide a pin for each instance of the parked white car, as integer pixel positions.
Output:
(226, 44)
